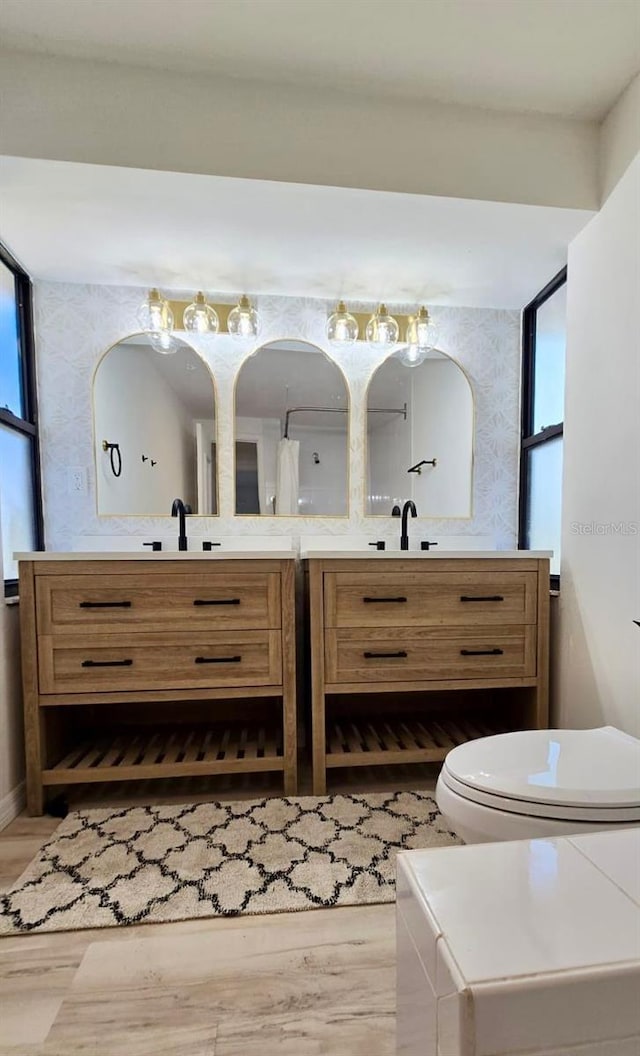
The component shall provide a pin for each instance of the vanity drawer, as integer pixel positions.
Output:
(69, 664)
(438, 653)
(423, 599)
(154, 602)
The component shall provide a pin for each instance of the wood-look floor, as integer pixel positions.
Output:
(318, 983)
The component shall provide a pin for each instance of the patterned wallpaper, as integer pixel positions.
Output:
(75, 324)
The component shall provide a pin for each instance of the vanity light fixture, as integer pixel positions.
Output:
(382, 329)
(420, 338)
(342, 327)
(154, 314)
(243, 319)
(199, 317)
(164, 342)
(420, 329)
(413, 355)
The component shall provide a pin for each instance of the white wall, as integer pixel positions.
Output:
(75, 110)
(136, 408)
(323, 485)
(619, 138)
(389, 455)
(598, 644)
(75, 324)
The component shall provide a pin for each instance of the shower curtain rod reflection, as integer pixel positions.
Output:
(341, 410)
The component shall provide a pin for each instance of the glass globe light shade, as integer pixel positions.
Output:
(199, 317)
(342, 327)
(164, 342)
(243, 319)
(154, 314)
(382, 329)
(413, 355)
(420, 329)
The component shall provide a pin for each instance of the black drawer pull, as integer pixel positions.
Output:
(481, 652)
(105, 605)
(217, 659)
(217, 601)
(380, 656)
(488, 597)
(370, 601)
(107, 663)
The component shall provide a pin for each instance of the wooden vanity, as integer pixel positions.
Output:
(137, 667)
(414, 654)
(156, 666)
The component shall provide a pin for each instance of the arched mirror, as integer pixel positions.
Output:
(154, 430)
(420, 424)
(291, 433)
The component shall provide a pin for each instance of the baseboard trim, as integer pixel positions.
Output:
(12, 804)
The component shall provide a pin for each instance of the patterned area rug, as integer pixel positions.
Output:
(104, 868)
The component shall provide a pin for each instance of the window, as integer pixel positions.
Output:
(544, 341)
(20, 504)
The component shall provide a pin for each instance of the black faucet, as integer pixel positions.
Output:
(408, 508)
(180, 509)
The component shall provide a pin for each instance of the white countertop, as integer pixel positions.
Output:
(162, 555)
(218, 554)
(427, 555)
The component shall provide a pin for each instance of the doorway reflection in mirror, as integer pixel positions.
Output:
(292, 433)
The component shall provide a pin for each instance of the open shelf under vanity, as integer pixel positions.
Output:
(390, 739)
(185, 750)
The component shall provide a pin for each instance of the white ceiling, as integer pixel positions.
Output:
(71, 222)
(276, 379)
(185, 373)
(566, 57)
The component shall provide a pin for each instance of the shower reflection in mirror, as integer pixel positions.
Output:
(422, 447)
(291, 433)
(162, 408)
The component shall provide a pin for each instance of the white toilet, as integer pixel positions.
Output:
(534, 783)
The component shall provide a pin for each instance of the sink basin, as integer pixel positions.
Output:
(126, 544)
(453, 546)
(358, 545)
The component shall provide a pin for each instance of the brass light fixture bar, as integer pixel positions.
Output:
(383, 331)
(403, 322)
(178, 307)
(222, 310)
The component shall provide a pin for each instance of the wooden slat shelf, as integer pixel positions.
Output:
(382, 741)
(183, 751)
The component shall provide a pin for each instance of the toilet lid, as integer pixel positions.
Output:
(553, 768)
